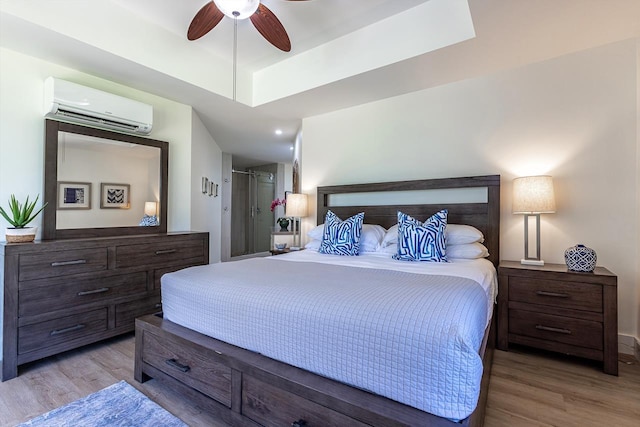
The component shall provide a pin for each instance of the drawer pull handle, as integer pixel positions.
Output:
(95, 291)
(158, 305)
(174, 363)
(552, 294)
(63, 263)
(165, 251)
(65, 330)
(299, 423)
(550, 329)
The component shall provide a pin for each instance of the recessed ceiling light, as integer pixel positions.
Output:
(278, 131)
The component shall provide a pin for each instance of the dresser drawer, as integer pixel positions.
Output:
(274, 407)
(61, 263)
(159, 272)
(195, 367)
(566, 330)
(65, 294)
(127, 312)
(167, 252)
(57, 331)
(571, 295)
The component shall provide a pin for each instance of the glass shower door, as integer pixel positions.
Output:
(264, 219)
(251, 219)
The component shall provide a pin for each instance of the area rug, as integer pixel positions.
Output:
(118, 405)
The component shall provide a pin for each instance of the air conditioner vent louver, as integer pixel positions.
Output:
(101, 122)
(70, 102)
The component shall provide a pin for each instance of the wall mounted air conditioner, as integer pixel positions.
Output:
(71, 102)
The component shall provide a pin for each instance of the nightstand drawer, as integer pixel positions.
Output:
(572, 295)
(566, 330)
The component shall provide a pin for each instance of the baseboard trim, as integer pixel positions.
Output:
(628, 347)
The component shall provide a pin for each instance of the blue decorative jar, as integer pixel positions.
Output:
(580, 258)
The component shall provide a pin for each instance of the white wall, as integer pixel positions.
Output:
(205, 209)
(574, 117)
(22, 131)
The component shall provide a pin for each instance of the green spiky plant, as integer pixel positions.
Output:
(21, 214)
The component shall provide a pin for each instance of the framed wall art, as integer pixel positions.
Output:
(74, 195)
(114, 196)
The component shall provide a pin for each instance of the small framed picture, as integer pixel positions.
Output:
(114, 196)
(205, 185)
(74, 195)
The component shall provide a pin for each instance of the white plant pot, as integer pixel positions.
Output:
(20, 235)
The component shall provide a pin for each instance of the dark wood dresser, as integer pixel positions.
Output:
(552, 308)
(62, 294)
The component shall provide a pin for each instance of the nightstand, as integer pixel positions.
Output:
(555, 309)
(283, 251)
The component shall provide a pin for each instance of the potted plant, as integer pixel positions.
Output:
(21, 215)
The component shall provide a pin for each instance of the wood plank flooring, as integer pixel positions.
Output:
(526, 389)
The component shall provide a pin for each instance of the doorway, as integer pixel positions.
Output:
(251, 216)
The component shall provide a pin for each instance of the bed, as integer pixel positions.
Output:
(249, 383)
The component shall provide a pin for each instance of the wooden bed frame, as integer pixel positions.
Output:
(245, 388)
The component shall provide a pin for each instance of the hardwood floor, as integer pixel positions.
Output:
(526, 389)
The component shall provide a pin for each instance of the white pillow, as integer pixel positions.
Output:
(313, 245)
(372, 235)
(455, 234)
(370, 238)
(391, 249)
(316, 232)
(467, 251)
(390, 237)
(459, 234)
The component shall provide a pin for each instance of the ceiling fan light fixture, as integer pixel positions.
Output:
(237, 9)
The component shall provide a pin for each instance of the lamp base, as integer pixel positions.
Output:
(531, 262)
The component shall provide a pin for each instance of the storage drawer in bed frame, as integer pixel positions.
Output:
(244, 388)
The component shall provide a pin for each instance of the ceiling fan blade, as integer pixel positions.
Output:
(204, 21)
(270, 27)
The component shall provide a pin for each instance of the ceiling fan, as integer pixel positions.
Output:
(261, 17)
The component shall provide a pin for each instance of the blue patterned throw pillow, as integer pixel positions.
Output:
(341, 237)
(422, 241)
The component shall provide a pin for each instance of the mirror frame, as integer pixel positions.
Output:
(49, 228)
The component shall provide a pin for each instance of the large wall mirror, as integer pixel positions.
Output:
(101, 183)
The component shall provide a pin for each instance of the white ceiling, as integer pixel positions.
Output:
(309, 24)
(344, 52)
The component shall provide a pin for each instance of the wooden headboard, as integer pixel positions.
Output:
(484, 216)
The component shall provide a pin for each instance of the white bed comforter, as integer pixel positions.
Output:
(412, 336)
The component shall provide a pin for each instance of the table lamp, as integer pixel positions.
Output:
(296, 208)
(150, 217)
(532, 196)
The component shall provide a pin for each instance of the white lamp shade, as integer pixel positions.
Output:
(296, 205)
(533, 195)
(242, 8)
(150, 208)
